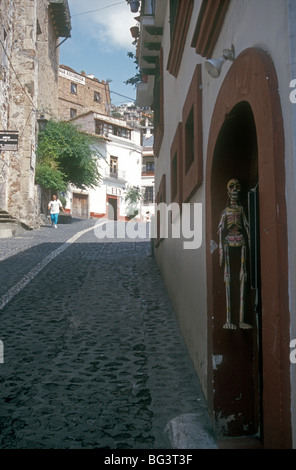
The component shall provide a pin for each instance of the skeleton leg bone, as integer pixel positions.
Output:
(243, 279)
(228, 325)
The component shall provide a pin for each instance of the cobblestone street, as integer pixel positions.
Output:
(93, 357)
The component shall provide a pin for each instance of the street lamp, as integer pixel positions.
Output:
(214, 66)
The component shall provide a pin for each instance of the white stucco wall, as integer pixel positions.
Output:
(248, 23)
(183, 270)
(128, 153)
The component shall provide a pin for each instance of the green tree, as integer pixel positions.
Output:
(132, 197)
(137, 78)
(66, 155)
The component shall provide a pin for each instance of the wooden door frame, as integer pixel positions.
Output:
(252, 78)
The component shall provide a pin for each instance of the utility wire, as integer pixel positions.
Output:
(98, 9)
(132, 99)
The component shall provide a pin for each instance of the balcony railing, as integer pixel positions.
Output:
(115, 174)
(147, 173)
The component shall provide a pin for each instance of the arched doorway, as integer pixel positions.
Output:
(249, 384)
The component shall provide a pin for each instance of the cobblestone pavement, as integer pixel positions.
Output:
(93, 357)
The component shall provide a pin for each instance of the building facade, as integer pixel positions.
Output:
(147, 177)
(221, 86)
(119, 149)
(30, 31)
(80, 93)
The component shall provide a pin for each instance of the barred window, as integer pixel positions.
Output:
(148, 195)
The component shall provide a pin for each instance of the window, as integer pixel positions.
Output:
(158, 105)
(176, 166)
(121, 132)
(174, 175)
(208, 26)
(114, 166)
(173, 13)
(73, 113)
(160, 197)
(189, 141)
(73, 88)
(192, 137)
(97, 97)
(105, 128)
(148, 195)
(180, 16)
(150, 166)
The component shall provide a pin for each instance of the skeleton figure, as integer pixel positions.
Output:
(232, 228)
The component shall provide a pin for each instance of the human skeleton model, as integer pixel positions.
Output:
(233, 224)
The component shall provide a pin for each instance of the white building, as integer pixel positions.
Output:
(120, 166)
(222, 87)
(148, 176)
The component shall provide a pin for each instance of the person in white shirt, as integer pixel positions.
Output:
(54, 207)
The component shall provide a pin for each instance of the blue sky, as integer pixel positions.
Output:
(99, 43)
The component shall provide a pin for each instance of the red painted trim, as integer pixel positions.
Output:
(208, 26)
(252, 78)
(181, 26)
(192, 177)
(97, 215)
(159, 131)
(176, 153)
(160, 197)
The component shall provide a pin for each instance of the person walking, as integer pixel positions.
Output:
(54, 207)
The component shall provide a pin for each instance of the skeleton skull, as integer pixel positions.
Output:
(233, 189)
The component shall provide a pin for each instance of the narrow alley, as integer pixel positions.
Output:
(92, 354)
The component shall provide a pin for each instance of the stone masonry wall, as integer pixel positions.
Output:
(28, 91)
(22, 108)
(48, 63)
(6, 22)
(83, 100)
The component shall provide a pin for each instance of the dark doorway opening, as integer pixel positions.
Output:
(237, 373)
(112, 208)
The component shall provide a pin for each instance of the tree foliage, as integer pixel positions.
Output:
(132, 197)
(133, 194)
(137, 78)
(50, 178)
(66, 155)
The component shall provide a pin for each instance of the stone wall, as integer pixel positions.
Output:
(48, 64)
(86, 94)
(22, 110)
(6, 20)
(28, 92)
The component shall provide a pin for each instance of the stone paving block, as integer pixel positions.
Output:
(93, 354)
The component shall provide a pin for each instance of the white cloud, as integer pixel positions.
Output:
(107, 21)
